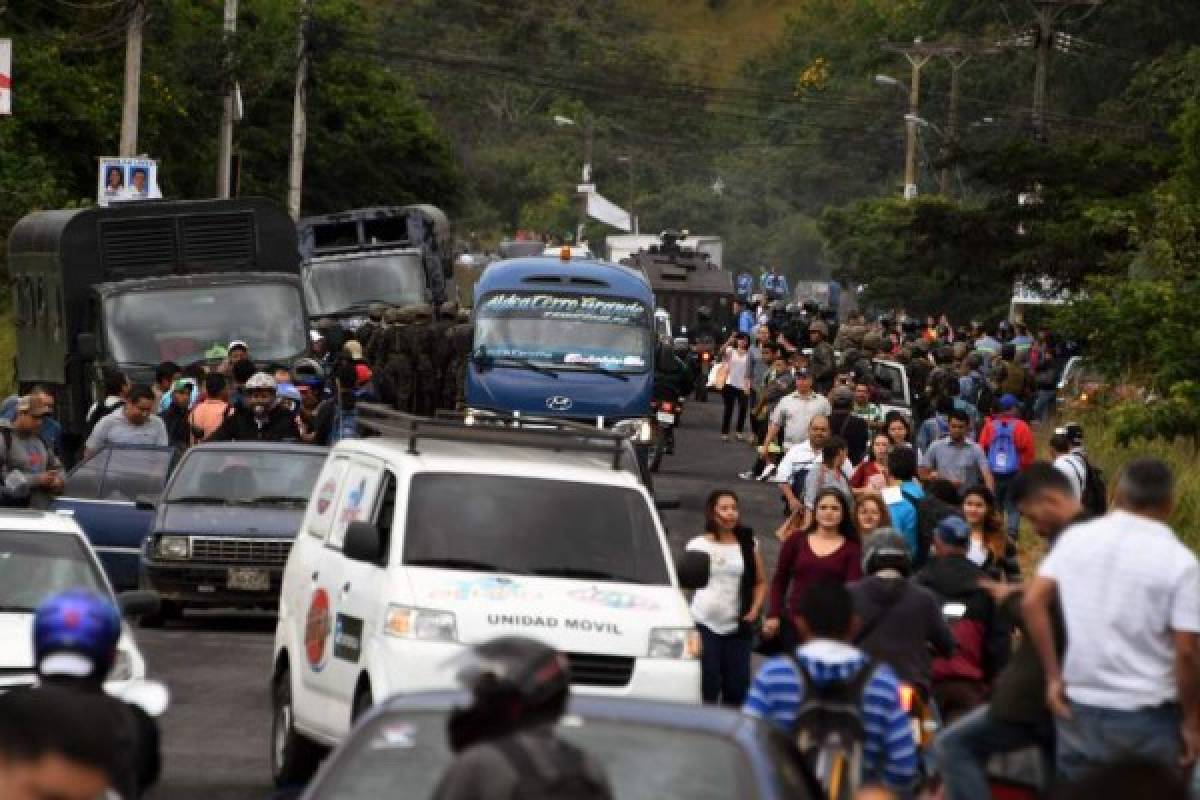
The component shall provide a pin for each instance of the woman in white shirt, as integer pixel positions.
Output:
(738, 377)
(727, 609)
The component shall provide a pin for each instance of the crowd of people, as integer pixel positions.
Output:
(899, 564)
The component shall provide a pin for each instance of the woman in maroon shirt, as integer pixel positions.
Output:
(828, 550)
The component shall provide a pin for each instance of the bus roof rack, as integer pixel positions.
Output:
(542, 433)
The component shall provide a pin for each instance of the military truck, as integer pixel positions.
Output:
(683, 279)
(397, 255)
(136, 284)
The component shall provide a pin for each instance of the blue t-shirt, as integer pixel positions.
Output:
(904, 515)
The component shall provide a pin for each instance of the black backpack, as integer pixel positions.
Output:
(829, 730)
(1095, 490)
(570, 778)
(930, 511)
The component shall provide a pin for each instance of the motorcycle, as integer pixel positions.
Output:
(702, 363)
(665, 410)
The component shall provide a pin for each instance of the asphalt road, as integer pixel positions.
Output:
(215, 735)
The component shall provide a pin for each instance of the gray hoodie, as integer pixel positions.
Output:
(903, 620)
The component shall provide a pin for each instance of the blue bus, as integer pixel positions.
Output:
(565, 339)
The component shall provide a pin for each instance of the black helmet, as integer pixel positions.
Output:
(885, 549)
(515, 683)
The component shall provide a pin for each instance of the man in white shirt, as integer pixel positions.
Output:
(1129, 686)
(794, 413)
(802, 458)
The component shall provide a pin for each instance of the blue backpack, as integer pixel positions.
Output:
(1002, 452)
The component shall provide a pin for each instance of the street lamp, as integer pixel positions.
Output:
(888, 80)
(586, 174)
(563, 122)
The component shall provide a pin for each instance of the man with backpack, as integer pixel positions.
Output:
(1087, 482)
(840, 708)
(505, 740)
(1010, 446)
(956, 458)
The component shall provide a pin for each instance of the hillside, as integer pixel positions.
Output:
(715, 36)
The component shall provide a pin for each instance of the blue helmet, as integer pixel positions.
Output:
(76, 623)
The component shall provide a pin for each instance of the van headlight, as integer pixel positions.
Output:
(173, 547)
(674, 643)
(640, 431)
(420, 623)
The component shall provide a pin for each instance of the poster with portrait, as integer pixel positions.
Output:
(122, 179)
(5, 76)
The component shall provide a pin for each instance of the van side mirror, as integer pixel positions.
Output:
(363, 542)
(146, 502)
(85, 344)
(693, 570)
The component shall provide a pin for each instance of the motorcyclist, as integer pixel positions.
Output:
(706, 329)
(673, 375)
(505, 741)
(75, 637)
(260, 418)
(902, 623)
(961, 681)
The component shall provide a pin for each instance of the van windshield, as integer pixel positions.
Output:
(530, 526)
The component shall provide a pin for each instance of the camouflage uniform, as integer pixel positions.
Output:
(421, 338)
(400, 360)
(442, 353)
(461, 338)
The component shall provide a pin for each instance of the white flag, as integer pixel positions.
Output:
(610, 214)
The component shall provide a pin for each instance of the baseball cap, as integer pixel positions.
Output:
(1006, 402)
(28, 404)
(235, 344)
(803, 373)
(183, 385)
(953, 530)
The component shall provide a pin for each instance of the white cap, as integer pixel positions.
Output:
(238, 343)
(261, 380)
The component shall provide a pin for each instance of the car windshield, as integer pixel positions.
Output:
(334, 285)
(565, 330)
(642, 762)
(532, 526)
(35, 565)
(236, 477)
(192, 324)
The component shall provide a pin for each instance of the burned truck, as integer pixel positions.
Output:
(394, 255)
(132, 285)
(684, 279)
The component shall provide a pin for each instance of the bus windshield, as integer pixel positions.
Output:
(565, 331)
(189, 324)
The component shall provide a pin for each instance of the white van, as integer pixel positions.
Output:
(438, 535)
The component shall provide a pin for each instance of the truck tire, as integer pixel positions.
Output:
(294, 757)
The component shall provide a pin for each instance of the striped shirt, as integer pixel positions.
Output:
(889, 751)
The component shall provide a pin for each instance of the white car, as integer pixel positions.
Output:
(42, 554)
(413, 548)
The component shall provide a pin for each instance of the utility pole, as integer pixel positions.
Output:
(133, 78)
(586, 175)
(299, 116)
(225, 137)
(1048, 13)
(627, 160)
(957, 59)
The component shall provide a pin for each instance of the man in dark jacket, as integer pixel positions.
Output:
(258, 419)
(960, 681)
(900, 621)
(1017, 717)
(846, 424)
(177, 417)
